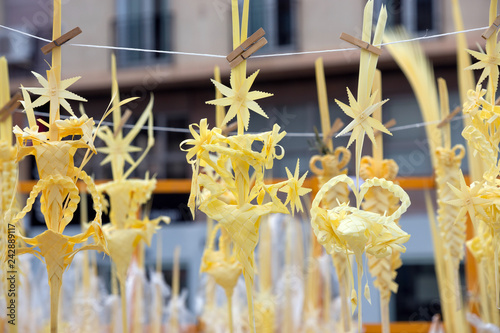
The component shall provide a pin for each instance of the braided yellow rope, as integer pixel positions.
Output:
(60, 182)
(332, 165)
(396, 190)
(452, 226)
(96, 198)
(381, 201)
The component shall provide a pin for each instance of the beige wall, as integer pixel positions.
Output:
(475, 14)
(2, 11)
(322, 21)
(201, 26)
(95, 18)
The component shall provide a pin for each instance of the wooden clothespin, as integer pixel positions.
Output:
(389, 124)
(229, 128)
(449, 117)
(11, 106)
(492, 28)
(61, 40)
(124, 119)
(247, 48)
(337, 125)
(359, 43)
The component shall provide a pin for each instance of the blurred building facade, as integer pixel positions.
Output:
(181, 85)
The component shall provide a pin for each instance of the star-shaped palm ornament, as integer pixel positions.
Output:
(241, 99)
(489, 62)
(294, 189)
(55, 92)
(468, 200)
(117, 148)
(362, 123)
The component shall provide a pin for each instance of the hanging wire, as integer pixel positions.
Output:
(208, 55)
(288, 134)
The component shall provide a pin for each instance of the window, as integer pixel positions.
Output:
(276, 17)
(418, 295)
(144, 24)
(417, 16)
(171, 205)
(166, 160)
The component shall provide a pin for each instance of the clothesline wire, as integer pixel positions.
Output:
(132, 49)
(293, 134)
